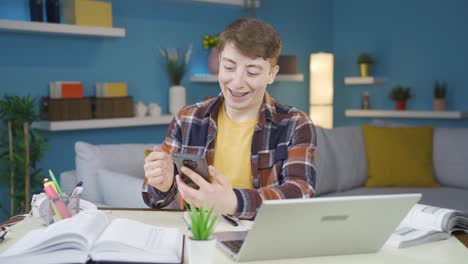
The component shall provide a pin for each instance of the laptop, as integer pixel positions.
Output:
(297, 228)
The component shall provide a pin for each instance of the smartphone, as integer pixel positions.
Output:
(193, 162)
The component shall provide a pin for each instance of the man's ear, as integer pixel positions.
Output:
(272, 74)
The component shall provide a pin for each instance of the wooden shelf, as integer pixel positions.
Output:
(61, 29)
(406, 114)
(364, 80)
(279, 78)
(101, 123)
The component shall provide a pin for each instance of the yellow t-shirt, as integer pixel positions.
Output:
(232, 155)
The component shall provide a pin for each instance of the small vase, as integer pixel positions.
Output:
(365, 69)
(176, 98)
(213, 61)
(400, 105)
(201, 251)
(439, 104)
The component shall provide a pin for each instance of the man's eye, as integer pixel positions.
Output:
(252, 73)
(229, 68)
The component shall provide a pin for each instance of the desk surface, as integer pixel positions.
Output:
(446, 251)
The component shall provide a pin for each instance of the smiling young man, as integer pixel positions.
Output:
(256, 148)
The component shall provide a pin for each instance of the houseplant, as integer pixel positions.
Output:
(439, 103)
(201, 244)
(400, 95)
(365, 61)
(212, 43)
(176, 62)
(21, 148)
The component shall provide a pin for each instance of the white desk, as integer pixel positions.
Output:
(448, 251)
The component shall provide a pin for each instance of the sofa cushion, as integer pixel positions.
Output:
(120, 190)
(123, 158)
(450, 156)
(340, 159)
(446, 197)
(399, 156)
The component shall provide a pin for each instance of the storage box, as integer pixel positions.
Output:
(87, 13)
(65, 109)
(113, 107)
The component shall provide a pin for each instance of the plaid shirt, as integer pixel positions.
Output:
(282, 154)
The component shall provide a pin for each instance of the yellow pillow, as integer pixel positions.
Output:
(399, 156)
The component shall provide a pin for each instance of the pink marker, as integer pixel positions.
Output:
(53, 195)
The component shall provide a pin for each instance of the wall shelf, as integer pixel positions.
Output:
(406, 114)
(279, 78)
(61, 29)
(101, 123)
(227, 2)
(357, 80)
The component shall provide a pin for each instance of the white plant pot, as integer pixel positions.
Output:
(176, 98)
(201, 251)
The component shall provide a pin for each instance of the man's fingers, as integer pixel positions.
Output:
(196, 178)
(218, 176)
(188, 194)
(157, 155)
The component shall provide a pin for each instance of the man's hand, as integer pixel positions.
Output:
(218, 195)
(159, 169)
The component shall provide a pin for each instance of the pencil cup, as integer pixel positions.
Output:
(62, 207)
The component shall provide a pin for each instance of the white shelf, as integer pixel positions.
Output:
(227, 2)
(63, 29)
(279, 78)
(101, 123)
(364, 80)
(406, 114)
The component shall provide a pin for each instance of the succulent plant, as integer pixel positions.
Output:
(365, 58)
(399, 92)
(203, 222)
(440, 90)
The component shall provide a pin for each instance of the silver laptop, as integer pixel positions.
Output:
(297, 228)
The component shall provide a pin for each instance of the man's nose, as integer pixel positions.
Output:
(237, 79)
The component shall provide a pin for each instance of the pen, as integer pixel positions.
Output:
(54, 180)
(230, 220)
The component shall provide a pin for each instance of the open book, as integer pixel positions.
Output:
(89, 236)
(425, 224)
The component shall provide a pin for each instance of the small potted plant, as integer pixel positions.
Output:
(439, 103)
(365, 61)
(201, 244)
(400, 94)
(212, 43)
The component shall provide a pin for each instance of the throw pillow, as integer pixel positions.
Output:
(120, 190)
(399, 156)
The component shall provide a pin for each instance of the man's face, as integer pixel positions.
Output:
(243, 80)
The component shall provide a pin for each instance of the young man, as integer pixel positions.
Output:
(256, 148)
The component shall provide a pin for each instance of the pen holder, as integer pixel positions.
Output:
(62, 207)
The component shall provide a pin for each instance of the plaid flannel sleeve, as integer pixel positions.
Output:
(152, 196)
(298, 174)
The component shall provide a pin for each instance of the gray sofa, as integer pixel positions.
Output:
(342, 167)
(113, 174)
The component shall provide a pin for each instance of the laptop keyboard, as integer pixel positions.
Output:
(234, 245)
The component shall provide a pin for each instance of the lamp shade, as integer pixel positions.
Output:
(321, 89)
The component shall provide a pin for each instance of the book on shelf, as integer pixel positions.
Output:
(116, 89)
(425, 223)
(65, 90)
(89, 236)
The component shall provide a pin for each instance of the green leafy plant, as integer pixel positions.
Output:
(400, 92)
(210, 41)
(21, 148)
(203, 222)
(365, 58)
(176, 62)
(440, 90)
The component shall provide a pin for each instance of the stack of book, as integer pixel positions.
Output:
(65, 90)
(118, 89)
(87, 13)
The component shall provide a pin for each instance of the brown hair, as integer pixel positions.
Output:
(254, 39)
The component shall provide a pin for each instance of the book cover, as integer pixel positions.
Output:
(87, 13)
(64, 90)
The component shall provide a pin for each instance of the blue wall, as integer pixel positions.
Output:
(415, 43)
(29, 61)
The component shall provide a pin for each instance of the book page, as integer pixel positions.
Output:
(426, 217)
(77, 233)
(129, 240)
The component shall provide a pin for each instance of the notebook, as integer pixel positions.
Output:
(296, 228)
